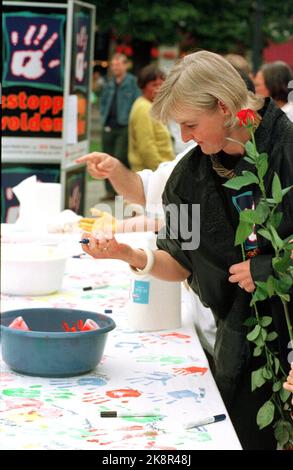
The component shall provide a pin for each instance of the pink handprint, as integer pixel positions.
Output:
(81, 64)
(28, 62)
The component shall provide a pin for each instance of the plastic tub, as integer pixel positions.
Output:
(49, 351)
(31, 269)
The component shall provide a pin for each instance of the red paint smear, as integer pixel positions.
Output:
(176, 335)
(160, 448)
(128, 436)
(123, 392)
(190, 370)
(93, 440)
(131, 428)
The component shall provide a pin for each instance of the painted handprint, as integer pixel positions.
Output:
(190, 370)
(29, 63)
(84, 381)
(183, 394)
(150, 378)
(81, 63)
(34, 45)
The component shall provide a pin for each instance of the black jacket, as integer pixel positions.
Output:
(194, 181)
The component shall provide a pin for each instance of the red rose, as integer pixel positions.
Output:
(155, 52)
(246, 117)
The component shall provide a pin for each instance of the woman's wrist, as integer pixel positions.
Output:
(148, 266)
(135, 258)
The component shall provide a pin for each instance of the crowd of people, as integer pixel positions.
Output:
(202, 95)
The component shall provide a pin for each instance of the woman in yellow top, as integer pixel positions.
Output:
(149, 142)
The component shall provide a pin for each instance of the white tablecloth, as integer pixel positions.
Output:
(165, 371)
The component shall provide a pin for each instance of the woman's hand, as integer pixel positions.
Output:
(104, 248)
(99, 165)
(242, 275)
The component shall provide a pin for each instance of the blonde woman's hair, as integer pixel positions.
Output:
(199, 81)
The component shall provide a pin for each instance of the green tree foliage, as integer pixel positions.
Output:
(221, 26)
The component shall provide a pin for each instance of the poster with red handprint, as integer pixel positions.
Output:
(81, 66)
(80, 51)
(34, 48)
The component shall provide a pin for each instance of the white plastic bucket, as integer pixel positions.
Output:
(154, 304)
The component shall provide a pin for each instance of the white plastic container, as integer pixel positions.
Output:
(154, 304)
(30, 269)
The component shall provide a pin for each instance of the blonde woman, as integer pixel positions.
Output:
(203, 93)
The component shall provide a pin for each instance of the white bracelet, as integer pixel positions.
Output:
(149, 265)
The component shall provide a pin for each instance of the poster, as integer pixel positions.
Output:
(34, 45)
(81, 67)
(33, 74)
(75, 190)
(33, 82)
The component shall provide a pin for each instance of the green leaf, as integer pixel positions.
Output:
(259, 341)
(263, 333)
(254, 333)
(276, 218)
(285, 297)
(262, 164)
(284, 284)
(284, 394)
(257, 379)
(250, 160)
(257, 351)
(270, 360)
(251, 176)
(267, 374)
(256, 216)
(289, 246)
(251, 321)
(272, 336)
(277, 189)
(271, 201)
(275, 238)
(281, 263)
(248, 216)
(250, 149)
(286, 190)
(242, 232)
(265, 233)
(265, 321)
(262, 211)
(281, 433)
(260, 292)
(277, 365)
(277, 386)
(239, 181)
(265, 414)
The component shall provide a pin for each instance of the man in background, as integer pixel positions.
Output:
(116, 100)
